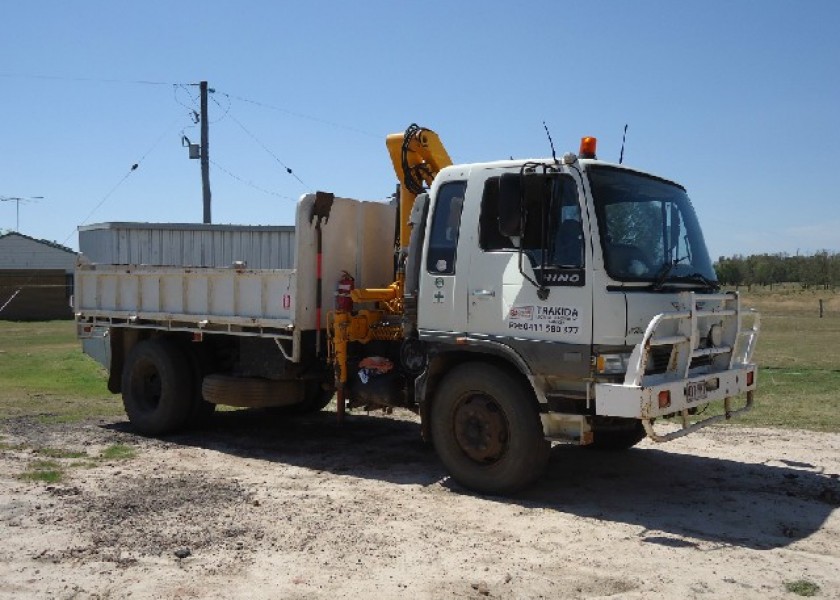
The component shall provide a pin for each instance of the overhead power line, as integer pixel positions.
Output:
(301, 115)
(258, 141)
(131, 170)
(186, 85)
(250, 184)
(85, 79)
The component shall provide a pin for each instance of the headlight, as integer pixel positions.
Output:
(609, 364)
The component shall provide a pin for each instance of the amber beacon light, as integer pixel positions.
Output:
(587, 147)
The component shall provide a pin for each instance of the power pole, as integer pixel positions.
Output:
(205, 156)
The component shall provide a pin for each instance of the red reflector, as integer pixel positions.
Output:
(664, 399)
(750, 378)
(86, 328)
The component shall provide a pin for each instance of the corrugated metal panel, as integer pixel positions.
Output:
(188, 245)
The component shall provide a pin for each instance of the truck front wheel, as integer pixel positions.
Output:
(486, 430)
(157, 387)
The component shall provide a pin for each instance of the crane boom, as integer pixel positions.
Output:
(418, 156)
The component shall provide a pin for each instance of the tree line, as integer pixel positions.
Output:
(821, 269)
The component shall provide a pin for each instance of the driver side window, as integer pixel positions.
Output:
(446, 224)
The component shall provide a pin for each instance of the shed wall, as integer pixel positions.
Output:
(44, 295)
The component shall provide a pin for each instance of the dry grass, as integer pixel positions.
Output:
(45, 374)
(798, 355)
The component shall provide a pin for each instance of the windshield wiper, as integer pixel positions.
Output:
(703, 279)
(664, 271)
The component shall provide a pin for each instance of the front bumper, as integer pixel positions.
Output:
(726, 368)
(643, 401)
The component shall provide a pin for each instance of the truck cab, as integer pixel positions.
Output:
(591, 284)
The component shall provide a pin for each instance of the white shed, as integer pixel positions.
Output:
(18, 251)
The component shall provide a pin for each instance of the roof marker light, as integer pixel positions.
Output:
(587, 147)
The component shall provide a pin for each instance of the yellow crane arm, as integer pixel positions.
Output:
(418, 155)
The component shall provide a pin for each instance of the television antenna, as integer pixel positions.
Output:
(17, 200)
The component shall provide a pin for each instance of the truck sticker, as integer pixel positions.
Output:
(561, 278)
(557, 314)
(524, 313)
(544, 319)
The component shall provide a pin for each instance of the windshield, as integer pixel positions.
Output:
(649, 231)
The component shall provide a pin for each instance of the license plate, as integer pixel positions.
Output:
(695, 392)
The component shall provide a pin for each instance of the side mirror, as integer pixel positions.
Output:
(510, 204)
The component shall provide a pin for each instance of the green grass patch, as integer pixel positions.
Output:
(58, 461)
(46, 375)
(790, 399)
(797, 343)
(798, 354)
(47, 471)
(802, 587)
(60, 453)
(118, 452)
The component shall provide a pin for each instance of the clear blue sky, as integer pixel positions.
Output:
(737, 100)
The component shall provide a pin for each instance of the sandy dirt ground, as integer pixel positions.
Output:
(255, 508)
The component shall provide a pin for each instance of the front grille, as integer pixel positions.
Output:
(701, 361)
(660, 356)
(658, 360)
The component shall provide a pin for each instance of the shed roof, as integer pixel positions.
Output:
(55, 245)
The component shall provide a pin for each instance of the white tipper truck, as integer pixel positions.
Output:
(510, 304)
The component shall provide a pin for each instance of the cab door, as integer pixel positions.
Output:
(441, 304)
(546, 296)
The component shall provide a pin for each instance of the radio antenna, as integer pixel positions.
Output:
(551, 143)
(623, 138)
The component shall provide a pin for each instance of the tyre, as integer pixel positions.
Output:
(487, 431)
(157, 387)
(315, 399)
(201, 411)
(615, 435)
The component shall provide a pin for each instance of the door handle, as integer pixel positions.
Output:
(483, 293)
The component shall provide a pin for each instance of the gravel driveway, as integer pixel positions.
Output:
(257, 508)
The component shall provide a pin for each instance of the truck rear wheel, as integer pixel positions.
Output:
(156, 387)
(486, 430)
(201, 411)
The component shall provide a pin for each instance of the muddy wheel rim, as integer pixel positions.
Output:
(481, 428)
(149, 387)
